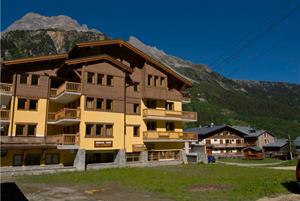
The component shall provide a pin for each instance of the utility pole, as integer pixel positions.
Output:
(290, 147)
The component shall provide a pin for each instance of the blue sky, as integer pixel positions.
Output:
(198, 30)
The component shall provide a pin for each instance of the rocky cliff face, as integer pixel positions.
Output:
(34, 21)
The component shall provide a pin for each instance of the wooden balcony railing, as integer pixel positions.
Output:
(62, 139)
(169, 135)
(4, 114)
(65, 113)
(138, 147)
(65, 87)
(229, 145)
(184, 115)
(6, 88)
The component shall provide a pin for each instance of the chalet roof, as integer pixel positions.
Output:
(62, 58)
(206, 129)
(277, 143)
(122, 43)
(255, 148)
(248, 131)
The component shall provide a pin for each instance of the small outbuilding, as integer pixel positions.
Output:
(253, 152)
(279, 149)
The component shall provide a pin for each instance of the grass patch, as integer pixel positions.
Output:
(248, 161)
(217, 181)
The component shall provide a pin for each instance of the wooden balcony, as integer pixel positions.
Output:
(6, 88)
(186, 98)
(6, 91)
(160, 114)
(168, 136)
(138, 147)
(65, 116)
(34, 141)
(4, 116)
(67, 92)
(228, 145)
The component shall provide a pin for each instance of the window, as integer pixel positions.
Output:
(99, 104)
(151, 126)
(33, 104)
(52, 159)
(89, 103)
(25, 129)
(162, 81)
(149, 80)
(169, 106)
(109, 104)
(90, 77)
(31, 130)
(151, 104)
(109, 80)
(23, 78)
(88, 129)
(21, 104)
(136, 87)
(99, 129)
(100, 79)
(108, 130)
(33, 159)
(20, 129)
(136, 131)
(35, 79)
(17, 160)
(170, 126)
(136, 108)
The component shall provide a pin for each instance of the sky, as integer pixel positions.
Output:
(240, 39)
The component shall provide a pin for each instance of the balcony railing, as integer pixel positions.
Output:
(169, 114)
(65, 87)
(65, 113)
(62, 139)
(169, 135)
(4, 114)
(6, 88)
(138, 147)
(234, 145)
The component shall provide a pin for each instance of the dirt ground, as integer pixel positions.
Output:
(106, 192)
(288, 197)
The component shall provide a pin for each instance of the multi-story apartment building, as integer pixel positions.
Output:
(102, 102)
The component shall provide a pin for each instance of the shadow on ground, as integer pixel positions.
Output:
(11, 192)
(292, 186)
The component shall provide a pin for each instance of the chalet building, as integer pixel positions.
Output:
(253, 152)
(278, 149)
(220, 140)
(255, 137)
(102, 103)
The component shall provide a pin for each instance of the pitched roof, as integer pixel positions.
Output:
(205, 130)
(255, 148)
(277, 143)
(250, 132)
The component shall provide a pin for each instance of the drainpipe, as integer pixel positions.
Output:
(13, 105)
(125, 110)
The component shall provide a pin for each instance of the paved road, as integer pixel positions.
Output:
(252, 164)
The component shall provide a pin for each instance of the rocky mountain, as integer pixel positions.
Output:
(34, 21)
(273, 106)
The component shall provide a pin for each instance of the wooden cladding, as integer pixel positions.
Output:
(169, 135)
(28, 86)
(99, 79)
(6, 88)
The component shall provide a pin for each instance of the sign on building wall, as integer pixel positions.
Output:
(103, 144)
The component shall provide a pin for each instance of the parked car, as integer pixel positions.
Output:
(211, 159)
